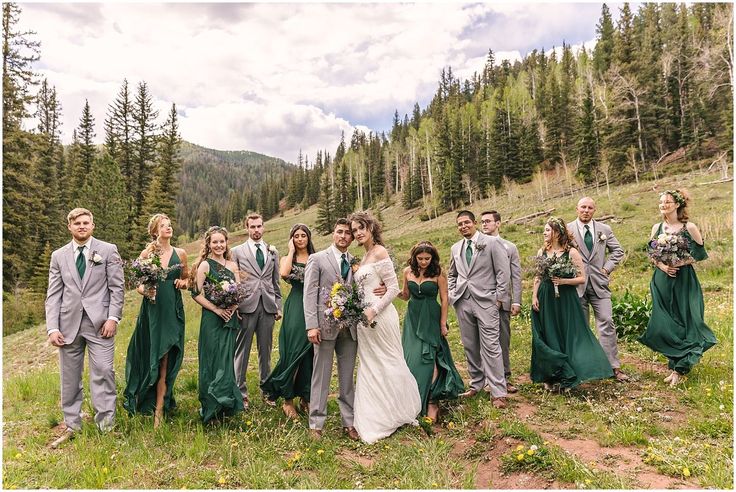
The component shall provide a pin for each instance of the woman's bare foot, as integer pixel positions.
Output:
(290, 410)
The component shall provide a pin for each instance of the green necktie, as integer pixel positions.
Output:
(259, 256)
(81, 264)
(588, 238)
(344, 267)
(469, 252)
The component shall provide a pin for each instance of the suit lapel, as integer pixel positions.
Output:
(460, 258)
(333, 261)
(581, 243)
(594, 234)
(475, 253)
(71, 265)
(251, 259)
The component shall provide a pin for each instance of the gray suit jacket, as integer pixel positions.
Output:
(513, 295)
(321, 272)
(100, 293)
(262, 284)
(486, 279)
(595, 260)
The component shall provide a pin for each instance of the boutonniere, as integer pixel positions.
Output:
(354, 263)
(602, 237)
(272, 249)
(95, 258)
(480, 247)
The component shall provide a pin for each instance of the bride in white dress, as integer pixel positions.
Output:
(386, 393)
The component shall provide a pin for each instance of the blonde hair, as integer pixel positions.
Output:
(78, 212)
(206, 251)
(153, 225)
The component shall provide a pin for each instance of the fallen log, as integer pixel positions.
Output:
(527, 218)
(724, 180)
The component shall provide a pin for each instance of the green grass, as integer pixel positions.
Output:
(688, 427)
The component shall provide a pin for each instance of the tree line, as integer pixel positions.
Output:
(659, 80)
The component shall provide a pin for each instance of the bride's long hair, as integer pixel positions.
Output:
(366, 219)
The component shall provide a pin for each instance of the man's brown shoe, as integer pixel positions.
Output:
(499, 403)
(470, 393)
(315, 434)
(510, 388)
(351, 433)
(619, 375)
(67, 435)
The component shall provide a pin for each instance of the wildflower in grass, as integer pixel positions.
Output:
(451, 425)
(533, 447)
(587, 481)
(686, 471)
(297, 456)
(249, 423)
(530, 452)
(434, 484)
(320, 451)
(18, 456)
(519, 447)
(221, 480)
(104, 470)
(519, 457)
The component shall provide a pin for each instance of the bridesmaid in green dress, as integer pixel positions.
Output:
(156, 348)
(565, 352)
(425, 327)
(218, 393)
(676, 328)
(292, 375)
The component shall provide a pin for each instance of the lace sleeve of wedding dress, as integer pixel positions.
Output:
(385, 270)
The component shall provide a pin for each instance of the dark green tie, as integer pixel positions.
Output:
(259, 256)
(344, 267)
(588, 238)
(469, 252)
(81, 264)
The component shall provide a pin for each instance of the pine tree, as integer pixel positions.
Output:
(121, 135)
(326, 205)
(585, 138)
(86, 134)
(164, 188)
(144, 145)
(40, 278)
(603, 52)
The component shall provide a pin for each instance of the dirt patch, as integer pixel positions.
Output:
(355, 458)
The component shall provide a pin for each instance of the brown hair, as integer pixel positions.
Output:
(367, 220)
(682, 201)
(305, 229)
(251, 217)
(495, 214)
(153, 224)
(566, 238)
(206, 251)
(433, 269)
(78, 212)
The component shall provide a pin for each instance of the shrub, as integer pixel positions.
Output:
(22, 309)
(630, 315)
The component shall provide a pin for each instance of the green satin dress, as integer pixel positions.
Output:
(159, 330)
(564, 349)
(425, 347)
(292, 375)
(676, 328)
(218, 393)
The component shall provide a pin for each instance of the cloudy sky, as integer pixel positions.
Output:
(278, 77)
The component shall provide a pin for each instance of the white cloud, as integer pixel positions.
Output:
(274, 78)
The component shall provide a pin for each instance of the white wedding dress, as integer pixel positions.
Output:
(386, 393)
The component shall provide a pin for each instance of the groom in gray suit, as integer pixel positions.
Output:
(594, 239)
(323, 269)
(84, 304)
(477, 281)
(491, 224)
(258, 263)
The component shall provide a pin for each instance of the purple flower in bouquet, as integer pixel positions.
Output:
(345, 304)
(224, 293)
(670, 249)
(148, 272)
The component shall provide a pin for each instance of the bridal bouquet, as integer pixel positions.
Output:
(670, 249)
(148, 272)
(554, 266)
(344, 306)
(296, 274)
(224, 293)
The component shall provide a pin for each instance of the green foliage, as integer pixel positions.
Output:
(631, 315)
(23, 309)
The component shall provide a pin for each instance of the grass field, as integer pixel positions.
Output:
(605, 434)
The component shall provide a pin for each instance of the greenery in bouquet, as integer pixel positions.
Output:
(147, 272)
(547, 267)
(344, 306)
(296, 274)
(224, 293)
(670, 249)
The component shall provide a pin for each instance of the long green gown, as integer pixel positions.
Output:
(425, 347)
(218, 392)
(564, 349)
(292, 375)
(159, 330)
(676, 328)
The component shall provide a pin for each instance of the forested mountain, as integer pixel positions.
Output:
(658, 81)
(220, 187)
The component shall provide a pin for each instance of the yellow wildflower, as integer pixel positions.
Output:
(519, 457)
(17, 456)
(249, 422)
(530, 452)
(104, 470)
(587, 481)
(297, 456)
(434, 484)
(221, 480)
(519, 447)
(686, 471)
(320, 451)
(451, 425)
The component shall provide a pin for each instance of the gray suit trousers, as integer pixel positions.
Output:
(504, 337)
(346, 349)
(479, 332)
(260, 323)
(101, 376)
(603, 311)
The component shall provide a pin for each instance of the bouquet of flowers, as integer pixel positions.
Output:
(344, 306)
(554, 266)
(224, 293)
(670, 249)
(296, 274)
(148, 272)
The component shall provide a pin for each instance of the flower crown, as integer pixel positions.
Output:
(678, 197)
(559, 222)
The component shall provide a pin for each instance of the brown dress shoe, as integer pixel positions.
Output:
(246, 403)
(67, 435)
(315, 434)
(499, 403)
(510, 388)
(468, 394)
(351, 433)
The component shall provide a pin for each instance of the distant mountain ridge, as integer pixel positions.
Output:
(210, 178)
